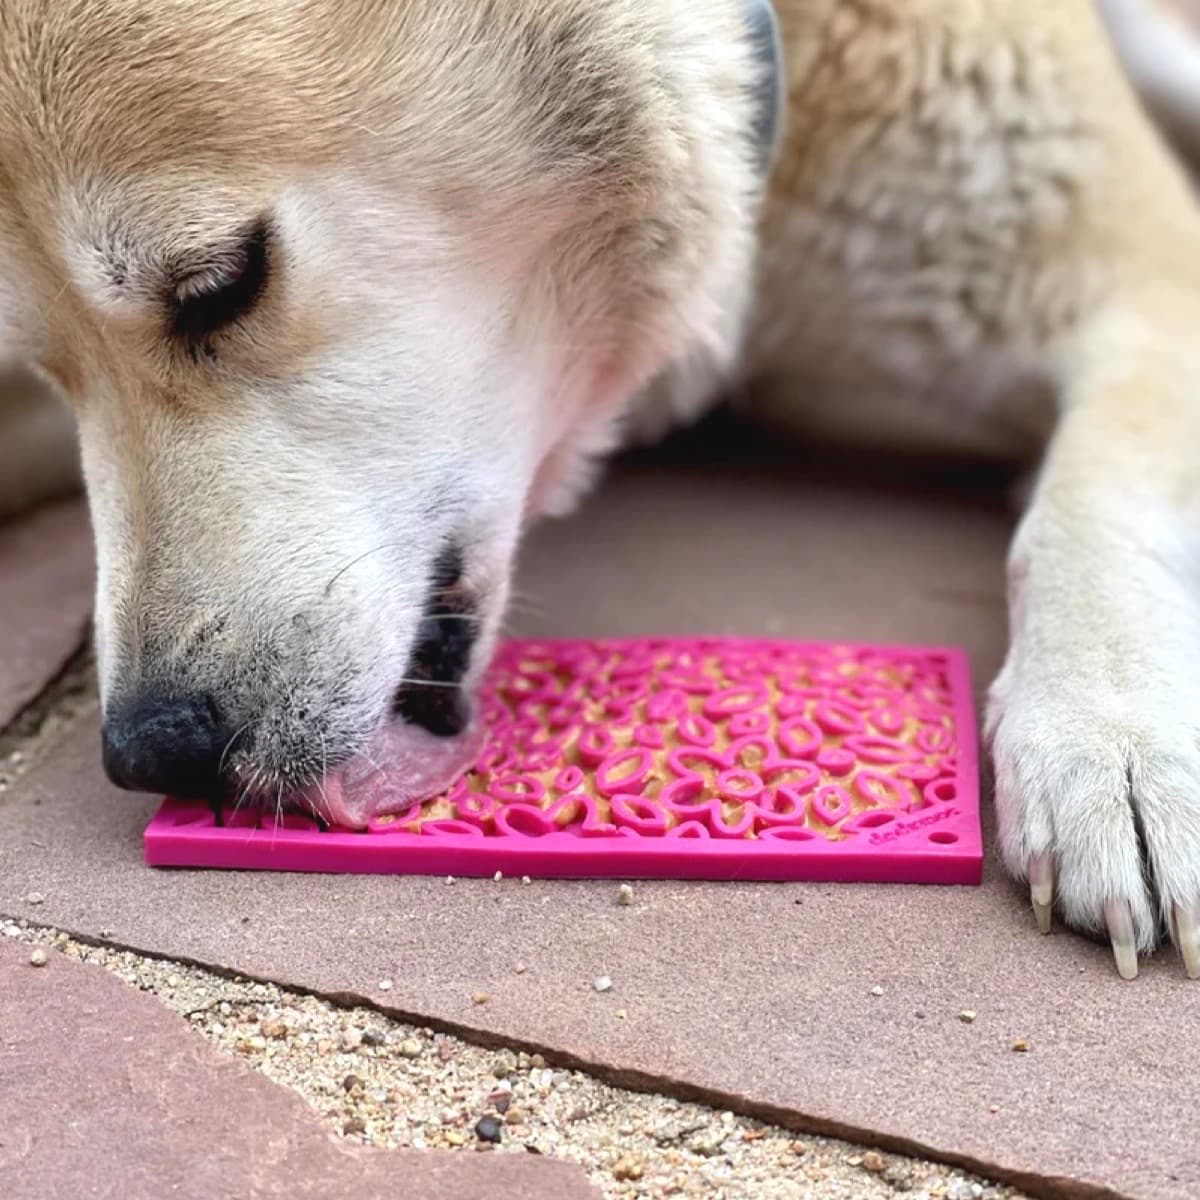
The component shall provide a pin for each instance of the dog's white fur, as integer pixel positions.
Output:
(500, 228)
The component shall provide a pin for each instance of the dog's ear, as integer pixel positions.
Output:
(1158, 43)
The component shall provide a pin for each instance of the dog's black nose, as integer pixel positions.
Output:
(163, 741)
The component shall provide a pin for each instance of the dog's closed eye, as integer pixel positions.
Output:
(208, 300)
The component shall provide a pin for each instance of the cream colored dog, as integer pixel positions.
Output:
(342, 292)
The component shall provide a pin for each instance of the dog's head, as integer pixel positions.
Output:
(342, 292)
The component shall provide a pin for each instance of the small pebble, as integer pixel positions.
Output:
(172, 981)
(38, 957)
(385, 985)
(1021, 1046)
(351, 1082)
(603, 984)
(499, 875)
(877, 990)
(372, 1037)
(411, 1048)
(351, 1039)
(354, 1125)
(274, 1028)
(537, 1061)
(967, 1016)
(35, 898)
(707, 1143)
(625, 895)
(489, 1129)
(621, 1014)
(628, 1166)
(526, 880)
(449, 880)
(479, 998)
(519, 968)
(872, 1160)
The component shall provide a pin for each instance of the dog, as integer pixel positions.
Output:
(343, 293)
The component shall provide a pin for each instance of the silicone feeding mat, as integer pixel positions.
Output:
(669, 758)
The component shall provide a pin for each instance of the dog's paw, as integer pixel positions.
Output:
(1098, 787)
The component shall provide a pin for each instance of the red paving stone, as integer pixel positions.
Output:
(759, 995)
(105, 1093)
(45, 599)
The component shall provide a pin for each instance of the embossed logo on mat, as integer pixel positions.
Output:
(901, 829)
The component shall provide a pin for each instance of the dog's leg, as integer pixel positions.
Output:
(1093, 722)
(38, 456)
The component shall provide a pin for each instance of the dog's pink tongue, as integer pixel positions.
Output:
(403, 765)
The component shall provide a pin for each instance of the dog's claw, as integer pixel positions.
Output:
(1119, 918)
(1187, 936)
(1041, 890)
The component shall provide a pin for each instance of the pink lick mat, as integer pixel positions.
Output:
(696, 758)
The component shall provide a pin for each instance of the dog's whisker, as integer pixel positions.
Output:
(358, 559)
(432, 683)
(229, 746)
(527, 605)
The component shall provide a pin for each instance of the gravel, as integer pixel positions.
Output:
(390, 1084)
